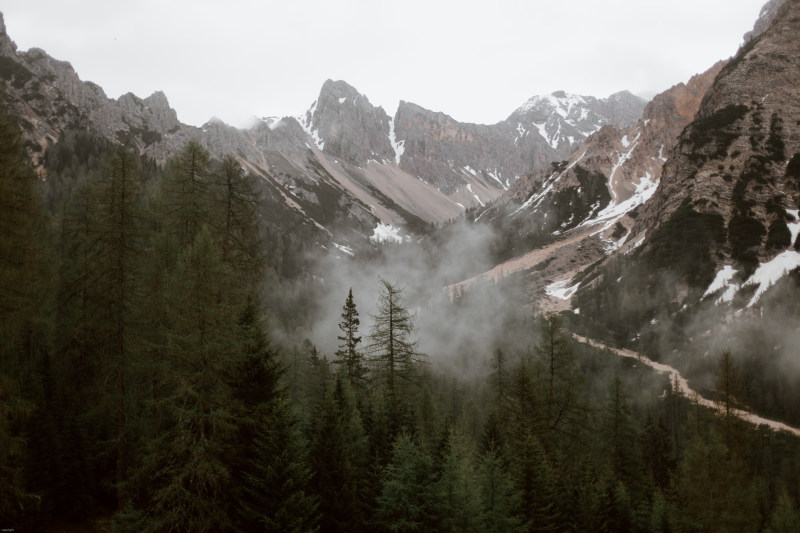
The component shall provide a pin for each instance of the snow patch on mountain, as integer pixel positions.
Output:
(386, 233)
(561, 290)
(723, 280)
(537, 197)
(397, 146)
(621, 161)
(767, 274)
(344, 249)
(645, 188)
(306, 124)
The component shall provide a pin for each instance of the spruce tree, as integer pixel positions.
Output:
(458, 489)
(116, 264)
(499, 498)
(274, 492)
(348, 356)
(406, 501)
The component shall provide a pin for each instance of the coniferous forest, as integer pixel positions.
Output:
(156, 377)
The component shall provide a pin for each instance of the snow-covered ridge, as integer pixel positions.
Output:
(560, 104)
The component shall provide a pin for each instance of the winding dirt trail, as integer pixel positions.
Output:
(686, 389)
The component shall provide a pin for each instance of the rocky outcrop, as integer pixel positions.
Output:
(451, 154)
(448, 153)
(736, 159)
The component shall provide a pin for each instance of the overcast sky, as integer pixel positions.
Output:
(474, 60)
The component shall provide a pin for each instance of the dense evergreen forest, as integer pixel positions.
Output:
(155, 377)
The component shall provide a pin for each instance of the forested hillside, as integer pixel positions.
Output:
(156, 377)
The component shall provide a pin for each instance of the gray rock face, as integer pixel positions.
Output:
(544, 129)
(345, 125)
(450, 154)
(735, 159)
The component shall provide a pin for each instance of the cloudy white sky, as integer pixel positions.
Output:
(475, 60)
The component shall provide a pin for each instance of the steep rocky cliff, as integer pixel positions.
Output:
(738, 158)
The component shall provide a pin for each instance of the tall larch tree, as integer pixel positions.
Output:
(235, 219)
(186, 194)
(394, 355)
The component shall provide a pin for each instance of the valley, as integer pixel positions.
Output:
(583, 317)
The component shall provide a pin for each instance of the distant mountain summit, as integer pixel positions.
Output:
(342, 161)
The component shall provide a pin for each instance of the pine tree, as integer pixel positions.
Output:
(620, 435)
(338, 459)
(118, 252)
(536, 484)
(275, 495)
(657, 452)
(348, 356)
(522, 407)
(730, 391)
(784, 518)
(714, 491)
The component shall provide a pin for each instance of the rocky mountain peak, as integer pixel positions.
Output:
(565, 120)
(768, 13)
(7, 46)
(343, 123)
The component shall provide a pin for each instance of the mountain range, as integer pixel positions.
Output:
(601, 176)
(344, 160)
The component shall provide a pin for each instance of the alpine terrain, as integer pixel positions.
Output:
(583, 317)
